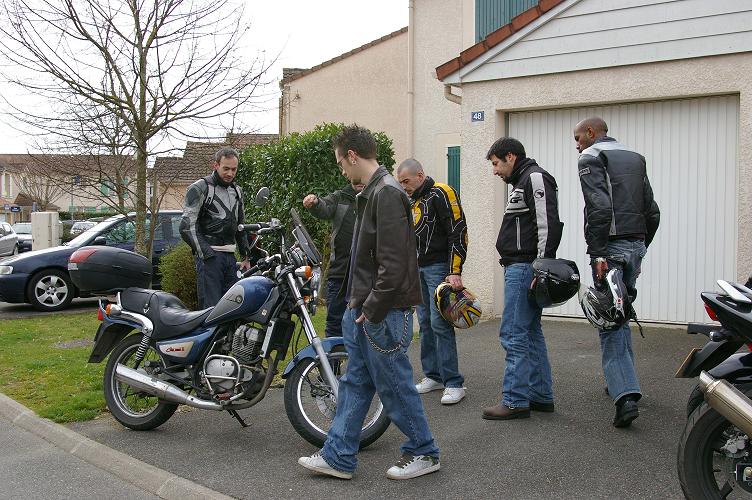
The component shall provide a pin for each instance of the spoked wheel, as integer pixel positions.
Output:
(311, 406)
(131, 407)
(710, 451)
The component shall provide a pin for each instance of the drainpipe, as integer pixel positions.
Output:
(449, 96)
(410, 79)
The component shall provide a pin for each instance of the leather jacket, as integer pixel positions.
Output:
(339, 207)
(208, 222)
(619, 201)
(383, 273)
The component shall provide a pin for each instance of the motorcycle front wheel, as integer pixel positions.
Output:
(311, 405)
(706, 466)
(131, 407)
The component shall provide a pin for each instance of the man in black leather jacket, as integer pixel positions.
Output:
(213, 209)
(338, 207)
(381, 290)
(621, 219)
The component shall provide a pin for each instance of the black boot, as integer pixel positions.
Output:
(626, 411)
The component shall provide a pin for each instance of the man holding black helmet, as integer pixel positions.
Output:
(621, 219)
(530, 229)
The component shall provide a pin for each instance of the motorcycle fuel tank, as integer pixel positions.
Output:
(251, 298)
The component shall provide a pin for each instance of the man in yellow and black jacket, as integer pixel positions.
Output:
(441, 235)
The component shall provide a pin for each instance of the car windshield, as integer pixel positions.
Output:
(87, 235)
(22, 227)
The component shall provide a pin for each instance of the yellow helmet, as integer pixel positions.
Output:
(460, 308)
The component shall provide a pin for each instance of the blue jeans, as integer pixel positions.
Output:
(370, 370)
(335, 307)
(438, 346)
(616, 345)
(214, 276)
(527, 376)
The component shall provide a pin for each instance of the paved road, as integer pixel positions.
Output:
(573, 453)
(19, 311)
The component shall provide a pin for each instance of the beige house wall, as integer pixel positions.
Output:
(442, 29)
(728, 74)
(368, 88)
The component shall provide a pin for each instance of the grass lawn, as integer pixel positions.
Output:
(42, 368)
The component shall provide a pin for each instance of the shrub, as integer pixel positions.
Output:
(179, 274)
(294, 166)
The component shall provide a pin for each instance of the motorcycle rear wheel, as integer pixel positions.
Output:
(133, 408)
(311, 406)
(704, 470)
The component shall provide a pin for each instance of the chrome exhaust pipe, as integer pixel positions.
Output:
(161, 389)
(728, 401)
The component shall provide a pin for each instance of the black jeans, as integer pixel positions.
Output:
(335, 307)
(214, 276)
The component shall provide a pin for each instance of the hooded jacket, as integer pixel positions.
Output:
(619, 201)
(531, 227)
(339, 207)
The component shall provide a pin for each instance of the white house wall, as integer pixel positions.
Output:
(442, 28)
(484, 195)
(602, 33)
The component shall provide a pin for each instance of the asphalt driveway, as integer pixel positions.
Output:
(572, 453)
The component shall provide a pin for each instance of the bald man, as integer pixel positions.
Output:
(621, 219)
(441, 234)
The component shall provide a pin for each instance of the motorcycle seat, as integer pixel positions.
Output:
(168, 314)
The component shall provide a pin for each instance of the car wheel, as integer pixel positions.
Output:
(50, 290)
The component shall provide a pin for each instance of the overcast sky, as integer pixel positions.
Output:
(302, 33)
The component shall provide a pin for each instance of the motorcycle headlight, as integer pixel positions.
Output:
(6, 269)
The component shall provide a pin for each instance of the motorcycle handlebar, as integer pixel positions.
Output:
(261, 227)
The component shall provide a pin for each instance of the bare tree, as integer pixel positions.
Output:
(39, 188)
(122, 77)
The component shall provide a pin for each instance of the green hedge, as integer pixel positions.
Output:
(178, 272)
(294, 166)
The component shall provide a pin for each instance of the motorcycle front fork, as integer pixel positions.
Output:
(313, 339)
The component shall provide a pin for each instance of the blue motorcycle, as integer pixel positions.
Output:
(223, 358)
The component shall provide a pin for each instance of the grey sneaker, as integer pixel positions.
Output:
(316, 463)
(428, 385)
(410, 466)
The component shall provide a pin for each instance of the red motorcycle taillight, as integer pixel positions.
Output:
(749, 346)
(711, 313)
(100, 316)
(81, 255)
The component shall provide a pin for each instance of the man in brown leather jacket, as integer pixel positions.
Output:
(381, 289)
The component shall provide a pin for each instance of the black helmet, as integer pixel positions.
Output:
(608, 306)
(555, 281)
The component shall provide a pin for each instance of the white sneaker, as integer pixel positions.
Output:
(410, 466)
(453, 395)
(428, 385)
(317, 463)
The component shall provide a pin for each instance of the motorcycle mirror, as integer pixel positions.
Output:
(262, 197)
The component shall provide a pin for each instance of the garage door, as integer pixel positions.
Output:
(691, 147)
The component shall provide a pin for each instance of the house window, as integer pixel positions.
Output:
(453, 167)
(491, 15)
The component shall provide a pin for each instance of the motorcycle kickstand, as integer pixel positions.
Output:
(238, 418)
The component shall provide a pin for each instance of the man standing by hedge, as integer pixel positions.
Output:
(338, 207)
(441, 233)
(213, 209)
(382, 287)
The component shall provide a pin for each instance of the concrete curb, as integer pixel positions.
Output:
(145, 476)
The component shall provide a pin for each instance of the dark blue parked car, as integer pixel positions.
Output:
(40, 277)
